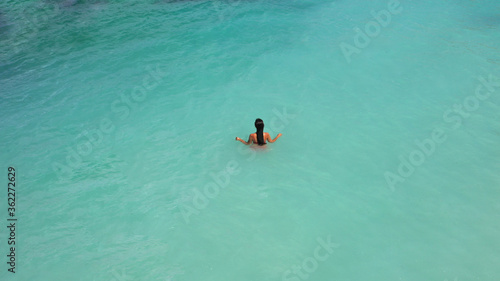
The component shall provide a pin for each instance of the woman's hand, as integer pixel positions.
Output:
(245, 142)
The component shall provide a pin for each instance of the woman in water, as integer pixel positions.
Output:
(259, 137)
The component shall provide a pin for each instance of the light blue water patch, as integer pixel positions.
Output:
(120, 120)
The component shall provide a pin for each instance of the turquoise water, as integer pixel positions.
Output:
(120, 120)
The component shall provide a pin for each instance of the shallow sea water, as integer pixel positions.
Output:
(120, 120)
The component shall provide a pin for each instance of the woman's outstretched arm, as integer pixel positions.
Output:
(271, 140)
(245, 142)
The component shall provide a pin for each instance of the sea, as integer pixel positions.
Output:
(118, 158)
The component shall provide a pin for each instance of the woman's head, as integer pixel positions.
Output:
(259, 125)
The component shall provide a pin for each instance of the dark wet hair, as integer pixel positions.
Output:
(259, 125)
